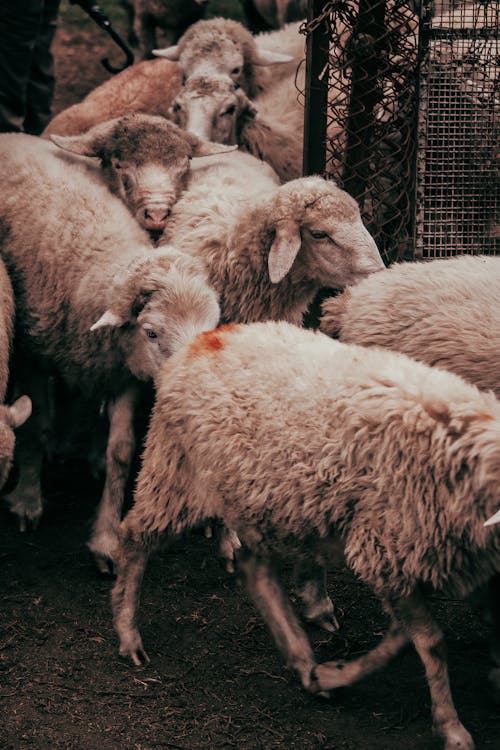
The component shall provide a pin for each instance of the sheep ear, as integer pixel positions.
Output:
(109, 318)
(85, 144)
(284, 250)
(495, 518)
(266, 57)
(19, 411)
(171, 53)
(207, 148)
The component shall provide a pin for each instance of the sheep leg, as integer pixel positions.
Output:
(310, 586)
(25, 500)
(131, 562)
(334, 674)
(266, 592)
(416, 624)
(119, 453)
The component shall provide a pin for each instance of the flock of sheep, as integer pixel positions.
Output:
(138, 251)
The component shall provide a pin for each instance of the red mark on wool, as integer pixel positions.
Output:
(211, 341)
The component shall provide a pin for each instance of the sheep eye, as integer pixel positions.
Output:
(151, 334)
(236, 71)
(230, 110)
(319, 235)
(176, 107)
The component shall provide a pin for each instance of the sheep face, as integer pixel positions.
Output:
(145, 162)
(220, 46)
(212, 108)
(163, 302)
(319, 236)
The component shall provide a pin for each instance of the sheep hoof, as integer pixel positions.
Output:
(456, 737)
(104, 564)
(327, 622)
(136, 653)
(27, 509)
(103, 549)
(329, 675)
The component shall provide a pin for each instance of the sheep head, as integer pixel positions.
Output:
(319, 236)
(145, 161)
(161, 302)
(212, 108)
(221, 46)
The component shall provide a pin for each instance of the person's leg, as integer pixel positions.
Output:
(19, 25)
(41, 84)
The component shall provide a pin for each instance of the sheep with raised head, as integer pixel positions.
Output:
(311, 448)
(13, 416)
(172, 17)
(95, 303)
(149, 87)
(144, 160)
(444, 312)
(221, 46)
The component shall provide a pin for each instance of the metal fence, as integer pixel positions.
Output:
(402, 110)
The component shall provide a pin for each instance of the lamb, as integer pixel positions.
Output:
(149, 87)
(13, 416)
(269, 127)
(173, 17)
(270, 248)
(97, 305)
(144, 160)
(309, 447)
(223, 46)
(443, 312)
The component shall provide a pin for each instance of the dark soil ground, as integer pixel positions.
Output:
(215, 678)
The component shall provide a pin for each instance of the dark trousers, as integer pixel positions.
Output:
(27, 28)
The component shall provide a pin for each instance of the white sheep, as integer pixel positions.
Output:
(221, 46)
(269, 127)
(144, 161)
(149, 87)
(95, 303)
(173, 17)
(444, 312)
(13, 416)
(311, 448)
(270, 248)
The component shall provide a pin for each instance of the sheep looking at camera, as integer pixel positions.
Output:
(268, 127)
(270, 248)
(95, 303)
(144, 161)
(221, 46)
(366, 457)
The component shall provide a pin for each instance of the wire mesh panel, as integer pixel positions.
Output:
(457, 200)
(411, 121)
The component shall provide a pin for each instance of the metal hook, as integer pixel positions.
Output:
(97, 15)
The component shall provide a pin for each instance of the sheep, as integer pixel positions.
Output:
(13, 416)
(443, 312)
(269, 127)
(95, 303)
(270, 248)
(223, 46)
(261, 15)
(144, 161)
(313, 448)
(149, 87)
(172, 16)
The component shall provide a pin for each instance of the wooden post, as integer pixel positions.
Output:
(316, 94)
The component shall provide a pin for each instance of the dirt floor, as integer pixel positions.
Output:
(215, 679)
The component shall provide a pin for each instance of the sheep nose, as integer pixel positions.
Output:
(156, 218)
